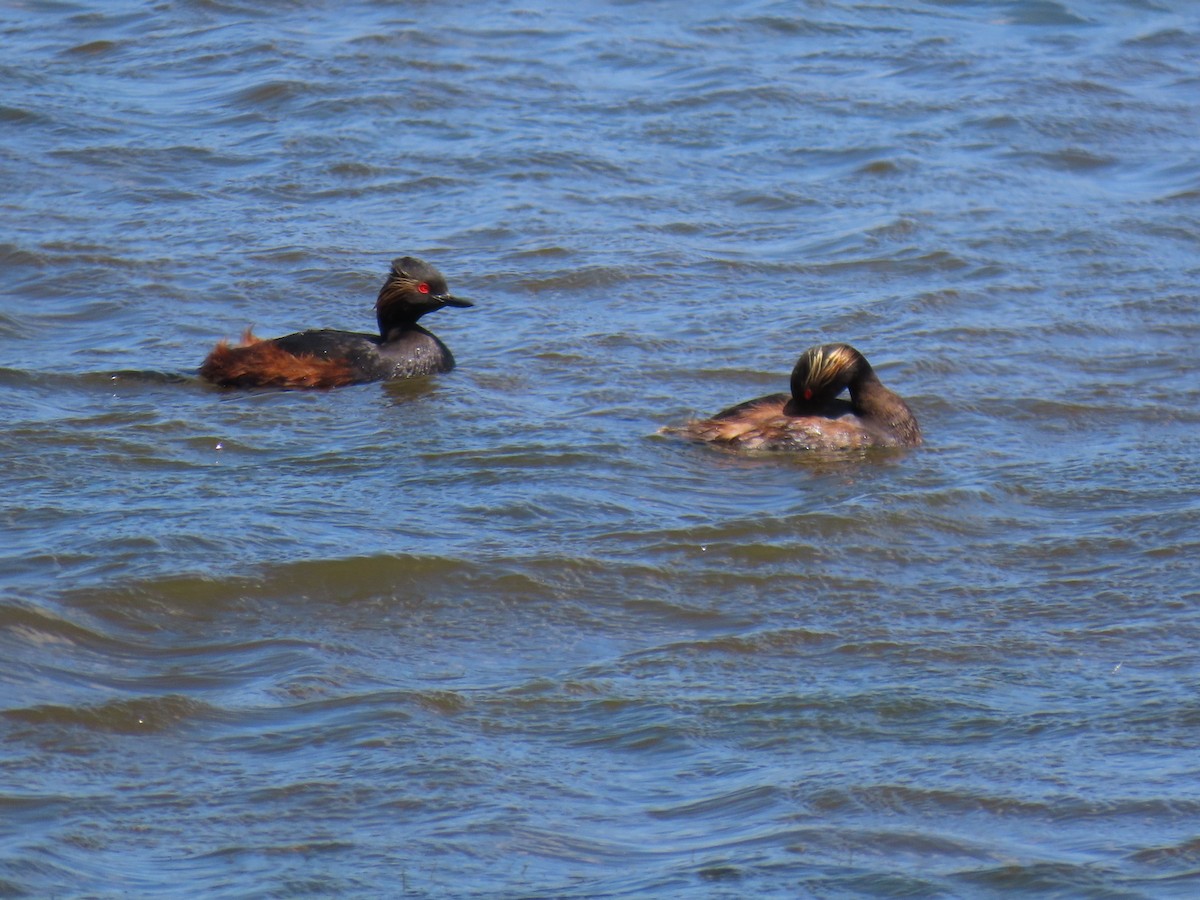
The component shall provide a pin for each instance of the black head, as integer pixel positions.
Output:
(824, 371)
(411, 289)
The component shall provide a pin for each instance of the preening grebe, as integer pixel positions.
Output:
(811, 417)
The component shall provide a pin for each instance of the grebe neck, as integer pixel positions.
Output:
(394, 313)
(883, 407)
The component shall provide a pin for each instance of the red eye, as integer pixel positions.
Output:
(423, 288)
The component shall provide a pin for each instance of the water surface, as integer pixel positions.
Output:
(488, 634)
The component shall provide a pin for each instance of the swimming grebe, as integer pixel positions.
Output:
(323, 358)
(811, 417)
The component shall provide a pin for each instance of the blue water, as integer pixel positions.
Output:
(488, 633)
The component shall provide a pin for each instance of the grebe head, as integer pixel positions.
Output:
(824, 371)
(412, 289)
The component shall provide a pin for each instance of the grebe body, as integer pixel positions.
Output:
(812, 417)
(326, 358)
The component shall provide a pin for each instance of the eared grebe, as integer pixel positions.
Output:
(320, 359)
(811, 417)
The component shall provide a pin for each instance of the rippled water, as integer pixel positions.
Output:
(488, 634)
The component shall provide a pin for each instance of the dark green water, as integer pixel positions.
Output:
(487, 634)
